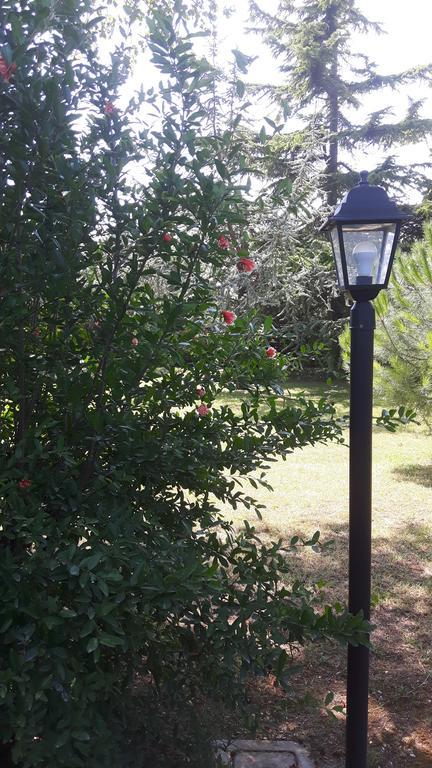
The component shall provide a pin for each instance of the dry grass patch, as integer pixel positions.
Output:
(310, 492)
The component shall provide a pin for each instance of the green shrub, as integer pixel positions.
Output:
(113, 554)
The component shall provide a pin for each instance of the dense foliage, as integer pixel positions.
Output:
(404, 332)
(296, 287)
(303, 156)
(115, 455)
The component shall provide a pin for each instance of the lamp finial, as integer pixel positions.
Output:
(364, 177)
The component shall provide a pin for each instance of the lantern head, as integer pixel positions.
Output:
(364, 233)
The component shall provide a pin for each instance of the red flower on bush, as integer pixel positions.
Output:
(6, 70)
(223, 242)
(134, 341)
(246, 265)
(203, 410)
(37, 332)
(25, 484)
(271, 352)
(109, 108)
(229, 316)
(200, 390)
(166, 237)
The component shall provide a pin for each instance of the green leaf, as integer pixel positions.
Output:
(80, 735)
(242, 60)
(88, 627)
(240, 88)
(68, 613)
(91, 561)
(221, 169)
(271, 122)
(6, 624)
(92, 644)
(137, 573)
(112, 641)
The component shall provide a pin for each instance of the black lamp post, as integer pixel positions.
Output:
(364, 232)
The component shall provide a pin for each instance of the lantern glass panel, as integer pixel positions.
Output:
(337, 256)
(368, 248)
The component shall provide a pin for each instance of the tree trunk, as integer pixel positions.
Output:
(333, 115)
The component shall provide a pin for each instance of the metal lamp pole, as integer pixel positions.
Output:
(362, 324)
(364, 231)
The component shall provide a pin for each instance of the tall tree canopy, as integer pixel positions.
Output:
(326, 82)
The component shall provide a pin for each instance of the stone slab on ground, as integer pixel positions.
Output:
(265, 760)
(242, 753)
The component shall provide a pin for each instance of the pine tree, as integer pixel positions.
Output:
(404, 332)
(325, 79)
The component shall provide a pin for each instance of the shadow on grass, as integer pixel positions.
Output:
(401, 659)
(415, 473)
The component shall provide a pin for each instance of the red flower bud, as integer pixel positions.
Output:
(271, 352)
(203, 410)
(229, 317)
(134, 341)
(223, 242)
(200, 391)
(246, 265)
(166, 237)
(6, 70)
(25, 484)
(37, 332)
(109, 108)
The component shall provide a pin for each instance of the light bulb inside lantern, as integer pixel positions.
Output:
(365, 255)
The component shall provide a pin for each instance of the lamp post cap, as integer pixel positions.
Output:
(366, 203)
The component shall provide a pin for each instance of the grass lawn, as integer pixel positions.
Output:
(310, 493)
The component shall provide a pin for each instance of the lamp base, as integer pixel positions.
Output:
(364, 292)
